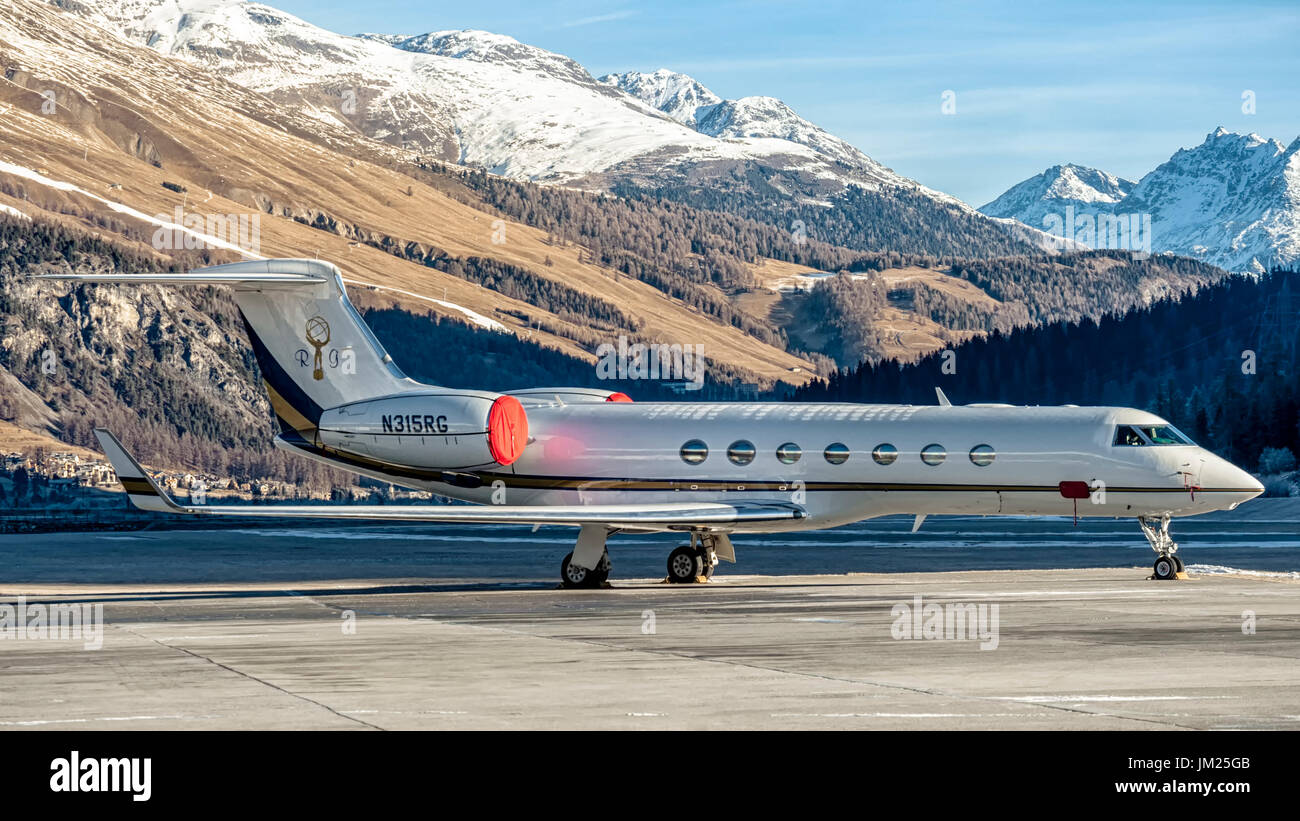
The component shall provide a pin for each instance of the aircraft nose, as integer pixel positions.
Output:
(1230, 484)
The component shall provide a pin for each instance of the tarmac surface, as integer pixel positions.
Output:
(368, 629)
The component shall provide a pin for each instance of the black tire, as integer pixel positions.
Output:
(684, 565)
(601, 574)
(1178, 562)
(1165, 567)
(572, 576)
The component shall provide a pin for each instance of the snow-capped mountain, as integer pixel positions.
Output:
(1232, 201)
(1087, 189)
(470, 97)
(677, 95)
(486, 47)
(488, 101)
(688, 102)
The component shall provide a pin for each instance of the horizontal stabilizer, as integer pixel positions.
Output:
(260, 273)
(187, 279)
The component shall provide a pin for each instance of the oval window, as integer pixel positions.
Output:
(885, 454)
(741, 453)
(694, 452)
(933, 455)
(788, 453)
(982, 455)
(837, 453)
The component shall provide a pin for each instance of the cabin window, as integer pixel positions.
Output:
(933, 455)
(741, 452)
(982, 455)
(885, 454)
(837, 453)
(695, 452)
(788, 453)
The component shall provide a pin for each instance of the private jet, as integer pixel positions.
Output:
(597, 461)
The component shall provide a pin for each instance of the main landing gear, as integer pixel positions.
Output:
(588, 564)
(1168, 565)
(695, 562)
(572, 575)
(689, 564)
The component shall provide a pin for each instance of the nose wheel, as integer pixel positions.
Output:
(1167, 567)
(1168, 564)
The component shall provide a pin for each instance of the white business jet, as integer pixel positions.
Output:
(595, 460)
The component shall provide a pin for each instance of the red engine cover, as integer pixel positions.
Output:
(507, 429)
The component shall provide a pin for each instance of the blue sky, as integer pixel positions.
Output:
(1115, 85)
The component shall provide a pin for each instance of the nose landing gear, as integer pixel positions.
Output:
(1168, 565)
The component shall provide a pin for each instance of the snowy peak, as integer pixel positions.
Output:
(486, 47)
(1231, 140)
(1226, 173)
(754, 117)
(1058, 186)
(170, 25)
(1085, 184)
(688, 102)
(677, 95)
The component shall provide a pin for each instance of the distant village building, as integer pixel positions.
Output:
(65, 471)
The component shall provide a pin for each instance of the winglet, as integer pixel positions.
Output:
(143, 492)
(943, 400)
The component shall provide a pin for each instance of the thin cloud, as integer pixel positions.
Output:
(600, 18)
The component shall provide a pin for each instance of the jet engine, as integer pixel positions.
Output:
(445, 429)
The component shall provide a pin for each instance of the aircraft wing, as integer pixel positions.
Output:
(146, 495)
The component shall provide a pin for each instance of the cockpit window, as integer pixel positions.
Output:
(1145, 435)
(1164, 435)
(1128, 435)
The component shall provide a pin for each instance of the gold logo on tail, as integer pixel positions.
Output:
(318, 334)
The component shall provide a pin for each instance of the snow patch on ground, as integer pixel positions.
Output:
(474, 316)
(1220, 570)
(60, 185)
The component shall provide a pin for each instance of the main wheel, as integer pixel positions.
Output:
(684, 565)
(1165, 567)
(573, 576)
(1178, 563)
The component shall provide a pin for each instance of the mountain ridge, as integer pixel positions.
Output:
(1232, 201)
(487, 101)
